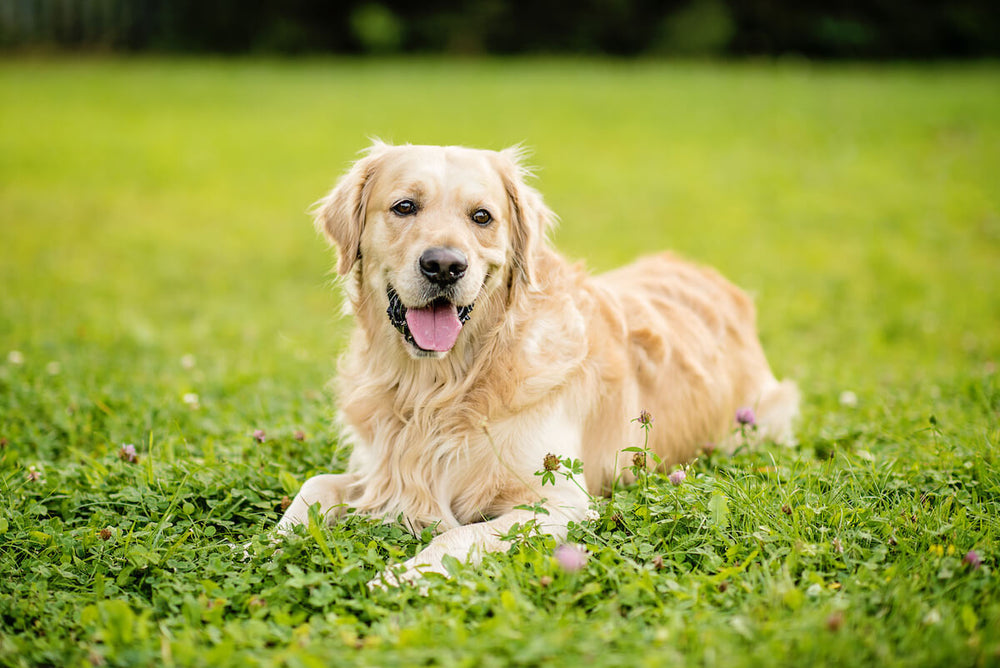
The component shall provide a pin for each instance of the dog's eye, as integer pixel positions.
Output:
(482, 217)
(404, 208)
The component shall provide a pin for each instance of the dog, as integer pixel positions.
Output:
(478, 350)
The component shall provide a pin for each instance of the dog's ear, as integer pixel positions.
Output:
(531, 220)
(341, 214)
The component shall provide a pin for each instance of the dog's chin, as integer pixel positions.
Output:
(418, 353)
(397, 315)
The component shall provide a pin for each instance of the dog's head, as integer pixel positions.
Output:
(430, 231)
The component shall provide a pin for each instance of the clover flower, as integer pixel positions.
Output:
(645, 419)
(551, 462)
(191, 400)
(34, 474)
(127, 453)
(15, 357)
(745, 417)
(677, 477)
(259, 435)
(299, 435)
(571, 557)
(639, 460)
(972, 559)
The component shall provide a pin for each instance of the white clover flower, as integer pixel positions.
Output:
(848, 399)
(15, 357)
(188, 361)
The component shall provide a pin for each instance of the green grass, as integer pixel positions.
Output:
(152, 209)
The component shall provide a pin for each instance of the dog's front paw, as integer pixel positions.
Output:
(410, 572)
(243, 550)
(250, 549)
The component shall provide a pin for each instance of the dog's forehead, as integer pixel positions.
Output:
(441, 171)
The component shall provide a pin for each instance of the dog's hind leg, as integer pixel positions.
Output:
(775, 407)
(776, 410)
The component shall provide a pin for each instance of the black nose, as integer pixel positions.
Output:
(443, 266)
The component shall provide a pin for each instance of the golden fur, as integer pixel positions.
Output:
(552, 360)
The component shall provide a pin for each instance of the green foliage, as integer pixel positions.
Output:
(377, 28)
(162, 287)
(699, 28)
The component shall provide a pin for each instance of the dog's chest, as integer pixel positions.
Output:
(429, 473)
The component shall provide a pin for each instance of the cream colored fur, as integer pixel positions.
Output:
(552, 360)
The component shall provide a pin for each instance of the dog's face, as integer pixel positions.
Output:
(431, 231)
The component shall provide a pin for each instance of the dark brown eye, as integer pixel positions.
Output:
(404, 208)
(482, 217)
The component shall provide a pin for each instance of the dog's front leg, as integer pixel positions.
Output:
(520, 446)
(328, 490)
(471, 541)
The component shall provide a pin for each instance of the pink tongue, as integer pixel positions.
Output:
(434, 327)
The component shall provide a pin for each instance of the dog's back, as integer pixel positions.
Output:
(693, 359)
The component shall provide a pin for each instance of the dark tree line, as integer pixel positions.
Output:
(835, 29)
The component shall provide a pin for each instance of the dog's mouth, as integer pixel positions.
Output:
(433, 327)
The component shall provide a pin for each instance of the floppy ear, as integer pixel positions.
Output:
(341, 214)
(531, 220)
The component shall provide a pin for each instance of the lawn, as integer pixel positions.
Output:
(161, 286)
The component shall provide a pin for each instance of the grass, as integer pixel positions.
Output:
(153, 245)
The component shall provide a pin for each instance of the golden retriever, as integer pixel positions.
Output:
(479, 350)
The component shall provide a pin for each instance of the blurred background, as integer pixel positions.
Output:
(837, 29)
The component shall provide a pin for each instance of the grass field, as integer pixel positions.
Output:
(161, 286)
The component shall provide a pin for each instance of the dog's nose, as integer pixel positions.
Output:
(442, 265)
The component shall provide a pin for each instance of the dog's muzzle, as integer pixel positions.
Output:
(433, 327)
